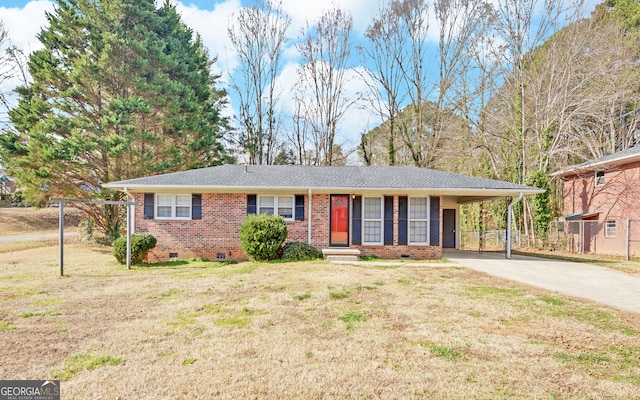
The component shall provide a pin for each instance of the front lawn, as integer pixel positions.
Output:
(309, 330)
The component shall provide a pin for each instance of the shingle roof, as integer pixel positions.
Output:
(304, 177)
(617, 158)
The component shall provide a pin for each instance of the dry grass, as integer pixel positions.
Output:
(32, 244)
(618, 263)
(25, 220)
(204, 330)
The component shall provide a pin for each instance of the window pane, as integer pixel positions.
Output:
(285, 201)
(164, 212)
(600, 178)
(267, 201)
(418, 207)
(372, 208)
(418, 232)
(285, 207)
(372, 231)
(183, 212)
(266, 210)
(610, 228)
(164, 199)
(183, 200)
(285, 212)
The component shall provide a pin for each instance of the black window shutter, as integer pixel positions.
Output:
(196, 206)
(403, 212)
(148, 205)
(252, 204)
(388, 219)
(356, 221)
(299, 207)
(434, 221)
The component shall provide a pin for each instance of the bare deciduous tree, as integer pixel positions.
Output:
(461, 25)
(583, 94)
(325, 48)
(386, 53)
(415, 24)
(12, 68)
(521, 26)
(258, 34)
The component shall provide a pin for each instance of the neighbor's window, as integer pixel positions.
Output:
(609, 228)
(599, 178)
(418, 220)
(372, 220)
(173, 206)
(276, 205)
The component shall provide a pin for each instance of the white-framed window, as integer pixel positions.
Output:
(609, 228)
(372, 220)
(599, 178)
(418, 220)
(173, 206)
(277, 205)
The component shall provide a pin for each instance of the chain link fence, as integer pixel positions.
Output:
(616, 237)
(487, 240)
(619, 237)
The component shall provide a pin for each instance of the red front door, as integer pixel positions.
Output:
(339, 235)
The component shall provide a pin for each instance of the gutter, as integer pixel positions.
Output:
(509, 211)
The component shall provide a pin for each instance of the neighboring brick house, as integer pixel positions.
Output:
(390, 212)
(7, 189)
(605, 194)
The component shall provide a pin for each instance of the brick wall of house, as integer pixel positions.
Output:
(215, 236)
(319, 220)
(617, 198)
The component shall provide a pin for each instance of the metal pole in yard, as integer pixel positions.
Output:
(628, 239)
(581, 237)
(61, 222)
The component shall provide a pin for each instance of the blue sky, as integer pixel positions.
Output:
(23, 19)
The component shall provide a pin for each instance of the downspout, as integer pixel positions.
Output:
(509, 211)
(309, 220)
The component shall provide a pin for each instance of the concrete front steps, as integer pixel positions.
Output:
(341, 254)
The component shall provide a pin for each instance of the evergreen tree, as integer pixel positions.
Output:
(121, 89)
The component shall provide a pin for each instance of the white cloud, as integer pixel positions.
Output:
(212, 27)
(23, 24)
(300, 12)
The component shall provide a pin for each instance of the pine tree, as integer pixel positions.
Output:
(120, 90)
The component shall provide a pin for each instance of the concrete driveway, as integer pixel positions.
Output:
(592, 282)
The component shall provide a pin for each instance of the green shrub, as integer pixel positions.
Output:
(262, 235)
(300, 251)
(140, 246)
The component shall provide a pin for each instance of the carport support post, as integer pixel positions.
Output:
(61, 229)
(128, 236)
(509, 211)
